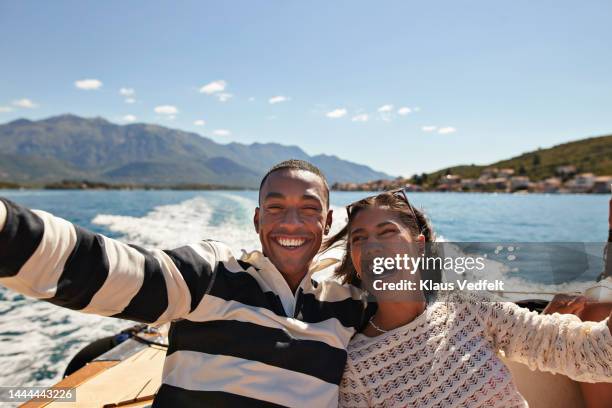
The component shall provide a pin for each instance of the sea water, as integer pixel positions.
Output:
(37, 339)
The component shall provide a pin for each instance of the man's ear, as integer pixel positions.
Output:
(328, 221)
(256, 220)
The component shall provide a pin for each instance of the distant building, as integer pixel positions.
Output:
(550, 185)
(506, 173)
(498, 183)
(489, 172)
(519, 183)
(451, 179)
(482, 180)
(469, 184)
(602, 184)
(582, 183)
(413, 187)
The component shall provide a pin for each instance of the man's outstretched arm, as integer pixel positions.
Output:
(51, 259)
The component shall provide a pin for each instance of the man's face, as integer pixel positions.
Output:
(291, 220)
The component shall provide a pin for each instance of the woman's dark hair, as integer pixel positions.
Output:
(411, 217)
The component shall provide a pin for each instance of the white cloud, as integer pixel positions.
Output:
(224, 97)
(385, 108)
(213, 87)
(251, 99)
(166, 110)
(199, 122)
(428, 128)
(447, 130)
(25, 103)
(4, 109)
(278, 99)
(272, 117)
(361, 118)
(127, 92)
(416, 109)
(336, 113)
(88, 84)
(130, 100)
(221, 132)
(129, 118)
(404, 110)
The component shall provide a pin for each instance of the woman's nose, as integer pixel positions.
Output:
(372, 248)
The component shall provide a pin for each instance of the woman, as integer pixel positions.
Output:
(444, 352)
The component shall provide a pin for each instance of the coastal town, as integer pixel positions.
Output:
(492, 179)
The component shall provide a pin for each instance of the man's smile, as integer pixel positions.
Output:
(290, 242)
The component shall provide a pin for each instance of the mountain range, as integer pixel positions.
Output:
(70, 147)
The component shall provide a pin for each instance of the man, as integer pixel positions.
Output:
(254, 331)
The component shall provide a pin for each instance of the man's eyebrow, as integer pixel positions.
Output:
(273, 195)
(311, 197)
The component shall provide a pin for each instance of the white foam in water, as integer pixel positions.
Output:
(495, 270)
(38, 339)
(171, 226)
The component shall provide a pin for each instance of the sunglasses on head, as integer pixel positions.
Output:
(398, 192)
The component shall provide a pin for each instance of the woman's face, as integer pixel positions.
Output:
(376, 233)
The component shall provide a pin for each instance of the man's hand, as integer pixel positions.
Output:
(566, 304)
(580, 306)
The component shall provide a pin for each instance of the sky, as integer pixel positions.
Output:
(402, 86)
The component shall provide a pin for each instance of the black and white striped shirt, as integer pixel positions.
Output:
(239, 335)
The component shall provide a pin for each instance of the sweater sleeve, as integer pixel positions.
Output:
(558, 343)
(51, 259)
(352, 391)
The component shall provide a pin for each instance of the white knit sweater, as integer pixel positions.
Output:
(447, 357)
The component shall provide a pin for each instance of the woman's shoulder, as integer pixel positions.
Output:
(420, 326)
(463, 299)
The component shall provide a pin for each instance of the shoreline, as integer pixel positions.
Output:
(233, 188)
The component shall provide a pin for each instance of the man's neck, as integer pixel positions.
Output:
(294, 280)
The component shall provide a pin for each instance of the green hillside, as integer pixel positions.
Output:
(593, 155)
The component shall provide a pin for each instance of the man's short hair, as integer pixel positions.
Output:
(297, 164)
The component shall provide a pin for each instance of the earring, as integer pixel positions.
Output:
(327, 229)
(421, 244)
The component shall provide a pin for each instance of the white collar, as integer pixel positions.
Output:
(275, 279)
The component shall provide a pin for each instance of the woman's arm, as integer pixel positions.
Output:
(49, 258)
(557, 343)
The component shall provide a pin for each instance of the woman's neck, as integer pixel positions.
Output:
(390, 315)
